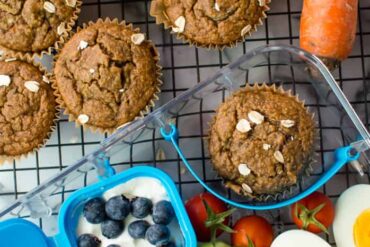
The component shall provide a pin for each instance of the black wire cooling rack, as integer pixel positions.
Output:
(183, 67)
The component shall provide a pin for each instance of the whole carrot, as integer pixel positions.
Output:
(328, 29)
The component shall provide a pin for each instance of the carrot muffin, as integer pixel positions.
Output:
(32, 26)
(27, 109)
(261, 139)
(106, 75)
(211, 24)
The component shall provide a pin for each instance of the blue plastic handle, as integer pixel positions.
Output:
(342, 156)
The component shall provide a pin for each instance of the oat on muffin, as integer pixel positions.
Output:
(27, 109)
(32, 26)
(106, 75)
(210, 23)
(261, 139)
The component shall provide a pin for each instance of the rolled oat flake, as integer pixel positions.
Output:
(266, 146)
(45, 79)
(217, 7)
(179, 25)
(61, 28)
(243, 126)
(5, 80)
(32, 86)
(247, 188)
(137, 38)
(83, 118)
(244, 169)
(256, 117)
(279, 156)
(49, 7)
(83, 45)
(287, 123)
(10, 59)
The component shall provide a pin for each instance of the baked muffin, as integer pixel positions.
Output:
(210, 24)
(27, 109)
(106, 75)
(261, 139)
(32, 26)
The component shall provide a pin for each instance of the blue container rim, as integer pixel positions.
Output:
(63, 238)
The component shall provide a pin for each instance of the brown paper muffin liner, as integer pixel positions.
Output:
(68, 30)
(307, 168)
(46, 79)
(142, 113)
(157, 11)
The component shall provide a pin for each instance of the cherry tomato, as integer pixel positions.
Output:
(198, 214)
(315, 213)
(252, 231)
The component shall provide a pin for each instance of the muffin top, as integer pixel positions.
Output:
(33, 25)
(260, 140)
(210, 22)
(106, 74)
(27, 108)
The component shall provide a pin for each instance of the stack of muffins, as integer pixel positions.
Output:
(28, 109)
(107, 74)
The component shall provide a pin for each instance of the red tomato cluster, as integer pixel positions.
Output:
(210, 218)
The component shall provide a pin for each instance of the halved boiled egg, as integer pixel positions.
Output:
(301, 238)
(351, 225)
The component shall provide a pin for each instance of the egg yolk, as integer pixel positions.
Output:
(361, 229)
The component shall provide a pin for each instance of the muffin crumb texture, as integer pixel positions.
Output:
(210, 23)
(260, 140)
(33, 25)
(104, 78)
(27, 108)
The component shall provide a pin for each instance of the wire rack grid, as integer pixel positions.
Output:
(183, 67)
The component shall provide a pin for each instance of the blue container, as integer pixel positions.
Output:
(71, 210)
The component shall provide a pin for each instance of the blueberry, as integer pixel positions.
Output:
(88, 240)
(141, 207)
(112, 228)
(163, 213)
(158, 235)
(137, 229)
(117, 208)
(94, 210)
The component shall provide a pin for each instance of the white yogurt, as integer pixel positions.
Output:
(138, 187)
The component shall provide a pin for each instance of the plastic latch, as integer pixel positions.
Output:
(346, 154)
(38, 207)
(228, 80)
(21, 233)
(103, 167)
(169, 133)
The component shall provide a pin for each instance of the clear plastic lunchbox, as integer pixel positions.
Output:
(179, 130)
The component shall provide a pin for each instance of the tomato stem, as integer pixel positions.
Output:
(250, 242)
(216, 221)
(308, 216)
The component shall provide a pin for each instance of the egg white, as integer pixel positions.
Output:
(301, 238)
(350, 205)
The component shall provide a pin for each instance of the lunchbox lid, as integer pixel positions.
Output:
(21, 233)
